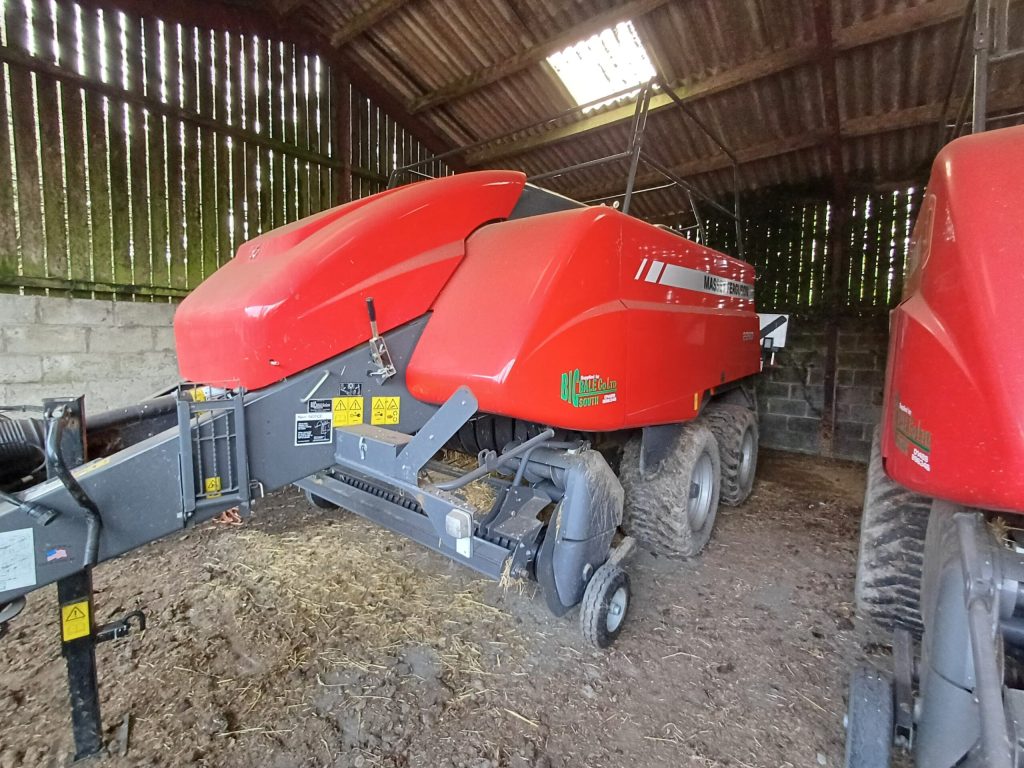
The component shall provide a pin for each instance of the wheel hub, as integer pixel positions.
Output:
(701, 489)
(617, 609)
(746, 457)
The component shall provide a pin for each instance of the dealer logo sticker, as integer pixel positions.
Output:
(912, 439)
(585, 390)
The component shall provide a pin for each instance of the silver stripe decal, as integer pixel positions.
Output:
(697, 280)
(639, 271)
(654, 272)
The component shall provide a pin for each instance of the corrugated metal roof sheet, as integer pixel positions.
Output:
(894, 59)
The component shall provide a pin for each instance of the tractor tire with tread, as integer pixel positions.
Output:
(735, 428)
(660, 510)
(891, 555)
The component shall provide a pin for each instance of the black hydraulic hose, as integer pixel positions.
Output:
(89, 510)
(479, 472)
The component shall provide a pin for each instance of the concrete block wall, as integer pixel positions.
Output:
(791, 394)
(115, 353)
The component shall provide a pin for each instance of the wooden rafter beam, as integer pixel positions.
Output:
(284, 7)
(463, 86)
(852, 128)
(860, 34)
(358, 24)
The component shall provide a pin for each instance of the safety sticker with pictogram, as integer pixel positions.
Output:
(347, 411)
(74, 620)
(386, 410)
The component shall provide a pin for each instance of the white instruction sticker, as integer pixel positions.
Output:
(17, 559)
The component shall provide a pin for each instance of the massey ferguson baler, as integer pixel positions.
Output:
(941, 552)
(344, 351)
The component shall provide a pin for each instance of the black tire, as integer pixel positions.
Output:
(891, 556)
(735, 428)
(870, 717)
(318, 502)
(658, 510)
(605, 605)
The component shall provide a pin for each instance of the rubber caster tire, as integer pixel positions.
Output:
(317, 501)
(735, 429)
(605, 605)
(870, 719)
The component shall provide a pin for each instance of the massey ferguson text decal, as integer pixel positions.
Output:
(583, 391)
(674, 276)
(912, 439)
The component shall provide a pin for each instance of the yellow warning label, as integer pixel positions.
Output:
(74, 620)
(346, 411)
(198, 395)
(386, 410)
(212, 486)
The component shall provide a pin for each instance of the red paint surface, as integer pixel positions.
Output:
(544, 296)
(956, 350)
(296, 296)
(515, 305)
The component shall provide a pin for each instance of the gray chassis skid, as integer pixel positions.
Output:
(226, 452)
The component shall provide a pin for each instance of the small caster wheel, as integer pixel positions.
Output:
(319, 502)
(870, 719)
(605, 605)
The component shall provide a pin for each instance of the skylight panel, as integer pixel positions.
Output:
(606, 63)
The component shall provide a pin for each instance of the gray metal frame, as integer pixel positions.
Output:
(243, 442)
(965, 712)
(153, 488)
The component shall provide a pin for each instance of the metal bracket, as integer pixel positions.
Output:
(115, 630)
(379, 353)
(212, 440)
(903, 665)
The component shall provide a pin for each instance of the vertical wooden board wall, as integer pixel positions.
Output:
(8, 226)
(192, 190)
(153, 41)
(276, 127)
(138, 156)
(221, 91)
(26, 147)
(172, 64)
(206, 71)
(48, 109)
(120, 197)
(137, 153)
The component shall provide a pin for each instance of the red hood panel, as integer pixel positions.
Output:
(953, 426)
(296, 296)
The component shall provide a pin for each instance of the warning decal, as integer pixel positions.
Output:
(386, 410)
(312, 428)
(347, 411)
(17, 559)
(74, 620)
(212, 486)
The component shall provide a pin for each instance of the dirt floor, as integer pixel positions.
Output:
(306, 638)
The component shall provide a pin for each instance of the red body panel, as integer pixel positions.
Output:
(296, 296)
(578, 319)
(953, 426)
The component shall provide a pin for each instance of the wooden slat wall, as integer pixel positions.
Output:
(136, 155)
(379, 145)
(787, 242)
